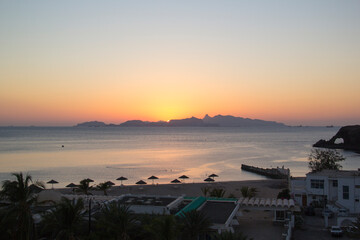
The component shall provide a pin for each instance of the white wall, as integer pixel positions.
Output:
(298, 186)
(317, 191)
(357, 195)
(297, 189)
(354, 193)
(149, 209)
(333, 191)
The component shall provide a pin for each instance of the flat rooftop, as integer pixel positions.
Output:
(335, 173)
(298, 178)
(147, 200)
(218, 212)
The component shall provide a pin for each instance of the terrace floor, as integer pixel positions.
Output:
(259, 225)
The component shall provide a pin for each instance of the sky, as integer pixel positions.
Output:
(65, 62)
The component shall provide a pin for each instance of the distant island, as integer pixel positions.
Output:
(207, 121)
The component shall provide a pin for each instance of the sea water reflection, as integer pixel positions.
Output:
(137, 153)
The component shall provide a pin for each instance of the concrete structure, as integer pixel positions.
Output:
(298, 190)
(282, 212)
(280, 206)
(49, 196)
(148, 204)
(221, 213)
(335, 187)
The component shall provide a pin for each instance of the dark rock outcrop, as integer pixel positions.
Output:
(91, 124)
(350, 136)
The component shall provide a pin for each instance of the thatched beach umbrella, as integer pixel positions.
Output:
(110, 183)
(71, 185)
(213, 176)
(175, 181)
(89, 180)
(121, 179)
(209, 180)
(52, 182)
(183, 177)
(153, 178)
(141, 182)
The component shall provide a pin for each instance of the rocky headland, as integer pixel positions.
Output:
(348, 137)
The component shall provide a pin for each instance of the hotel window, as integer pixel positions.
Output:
(319, 184)
(335, 183)
(345, 192)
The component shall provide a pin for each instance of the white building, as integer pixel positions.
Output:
(336, 187)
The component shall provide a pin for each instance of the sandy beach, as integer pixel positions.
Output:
(265, 188)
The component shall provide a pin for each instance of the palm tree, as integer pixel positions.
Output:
(157, 227)
(205, 191)
(103, 187)
(146, 231)
(65, 220)
(84, 186)
(165, 227)
(227, 235)
(195, 224)
(116, 221)
(217, 192)
(7, 222)
(231, 195)
(248, 192)
(19, 197)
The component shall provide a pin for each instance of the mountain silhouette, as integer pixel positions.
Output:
(231, 121)
(207, 121)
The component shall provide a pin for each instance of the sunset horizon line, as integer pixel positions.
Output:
(72, 123)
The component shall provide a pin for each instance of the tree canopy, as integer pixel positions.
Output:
(17, 214)
(248, 191)
(325, 159)
(85, 187)
(116, 221)
(194, 224)
(104, 186)
(64, 221)
(284, 194)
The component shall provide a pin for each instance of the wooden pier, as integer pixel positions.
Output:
(275, 173)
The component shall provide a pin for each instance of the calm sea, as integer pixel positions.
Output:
(167, 152)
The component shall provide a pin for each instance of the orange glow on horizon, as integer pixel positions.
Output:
(116, 62)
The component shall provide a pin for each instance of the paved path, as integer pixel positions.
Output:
(314, 229)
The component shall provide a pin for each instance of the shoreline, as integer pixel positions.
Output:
(268, 188)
